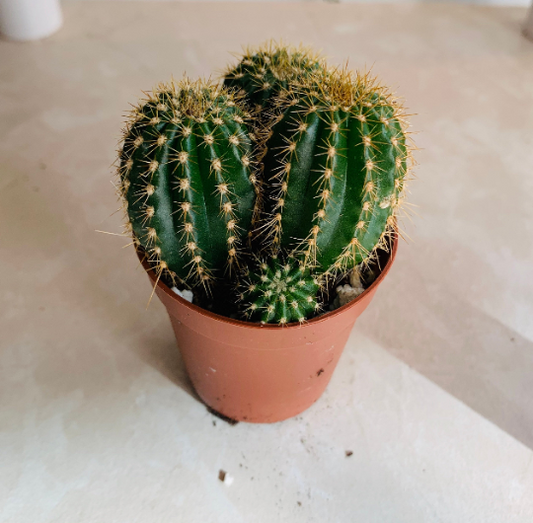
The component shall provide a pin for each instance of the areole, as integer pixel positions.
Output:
(261, 373)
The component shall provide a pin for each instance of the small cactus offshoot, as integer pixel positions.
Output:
(280, 292)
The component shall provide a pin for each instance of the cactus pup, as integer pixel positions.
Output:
(280, 291)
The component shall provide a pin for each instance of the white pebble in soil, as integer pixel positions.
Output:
(185, 294)
(348, 292)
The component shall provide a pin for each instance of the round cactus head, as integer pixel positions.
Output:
(185, 172)
(335, 166)
(263, 72)
(280, 291)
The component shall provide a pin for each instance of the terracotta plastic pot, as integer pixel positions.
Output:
(261, 373)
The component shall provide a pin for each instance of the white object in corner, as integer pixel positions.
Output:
(29, 19)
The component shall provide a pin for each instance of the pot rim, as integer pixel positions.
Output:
(255, 325)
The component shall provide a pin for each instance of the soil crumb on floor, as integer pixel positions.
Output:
(231, 421)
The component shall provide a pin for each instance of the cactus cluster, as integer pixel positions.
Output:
(290, 162)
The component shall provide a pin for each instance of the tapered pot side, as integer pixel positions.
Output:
(261, 373)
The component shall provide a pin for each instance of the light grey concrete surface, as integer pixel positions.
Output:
(434, 391)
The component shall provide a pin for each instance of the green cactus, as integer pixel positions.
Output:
(262, 75)
(315, 176)
(186, 177)
(280, 292)
(335, 169)
(263, 72)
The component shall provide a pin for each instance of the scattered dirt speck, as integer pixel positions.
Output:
(222, 417)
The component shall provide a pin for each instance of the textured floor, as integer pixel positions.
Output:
(433, 394)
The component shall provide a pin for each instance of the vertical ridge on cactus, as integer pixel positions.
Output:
(186, 179)
(335, 164)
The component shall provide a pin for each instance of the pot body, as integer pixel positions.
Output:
(261, 374)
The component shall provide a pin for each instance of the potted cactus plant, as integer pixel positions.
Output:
(260, 195)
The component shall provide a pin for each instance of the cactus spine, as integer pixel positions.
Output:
(336, 166)
(280, 292)
(186, 178)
